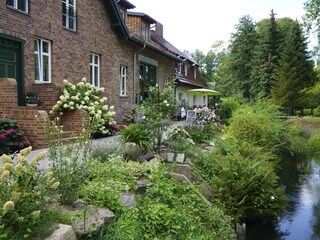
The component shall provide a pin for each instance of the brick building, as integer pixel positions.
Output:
(44, 42)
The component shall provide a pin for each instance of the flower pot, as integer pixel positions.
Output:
(180, 157)
(32, 104)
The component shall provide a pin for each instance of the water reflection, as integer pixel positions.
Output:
(302, 220)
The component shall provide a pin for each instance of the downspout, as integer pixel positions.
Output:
(135, 73)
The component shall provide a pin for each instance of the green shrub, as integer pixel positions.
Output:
(316, 112)
(244, 181)
(138, 134)
(25, 190)
(314, 141)
(129, 152)
(170, 210)
(106, 181)
(227, 107)
(258, 124)
(202, 134)
(296, 141)
(174, 210)
(126, 226)
(11, 138)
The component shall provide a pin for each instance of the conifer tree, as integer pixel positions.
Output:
(240, 60)
(266, 57)
(295, 71)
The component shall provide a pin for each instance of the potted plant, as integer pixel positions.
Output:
(32, 99)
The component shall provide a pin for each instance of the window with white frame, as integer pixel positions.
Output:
(204, 100)
(179, 68)
(194, 72)
(123, 80)
(144, 31)
(123, 14)
(95, 69)
(185, 68)
(69, 14)
(21, 5)
(194, 99)
(42, 61)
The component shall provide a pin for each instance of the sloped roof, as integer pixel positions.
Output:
(144, 16)
(116, 20)
(126, 4)
(171, 48)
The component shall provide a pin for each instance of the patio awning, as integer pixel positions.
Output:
(203, 91)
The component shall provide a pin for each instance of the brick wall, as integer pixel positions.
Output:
(8, 95)
(70, 51)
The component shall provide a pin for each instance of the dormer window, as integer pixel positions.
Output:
(20, 5)
(144, 31)
(179, 68)
(69, 14)
(123, 14)
(186, 69)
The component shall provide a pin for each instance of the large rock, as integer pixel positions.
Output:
(128, 199)
(63, 232)
(95, 218)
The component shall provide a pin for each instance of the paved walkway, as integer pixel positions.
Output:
(95, 143)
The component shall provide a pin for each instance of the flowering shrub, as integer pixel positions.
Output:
(85, 96)
(178, 139)
(158, 108)
(177, 133)
(24, 193)
(11, 139)
(202, 120)
(128, 118)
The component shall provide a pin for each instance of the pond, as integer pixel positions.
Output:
(301, 221)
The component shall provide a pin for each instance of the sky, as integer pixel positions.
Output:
(190, 25)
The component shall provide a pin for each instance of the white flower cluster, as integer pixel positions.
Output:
(85, 96)
(180, 132)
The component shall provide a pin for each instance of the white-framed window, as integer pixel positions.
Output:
(204, 100)
(194, 99)
(166, 82)
(123, 80)
(144, 31)
(95, 69)
(21, 5)
(186, 69)
(194, 72)
(123, 14)
(179, 68)
(69, 14)
(42, 61)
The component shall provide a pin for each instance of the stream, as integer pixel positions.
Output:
(301, 221)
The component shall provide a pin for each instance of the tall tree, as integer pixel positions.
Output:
(312, 15)
(239, 64)
(266, 57)
(295, 71)
(208, 63)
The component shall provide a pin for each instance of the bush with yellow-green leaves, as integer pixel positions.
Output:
(25, 190)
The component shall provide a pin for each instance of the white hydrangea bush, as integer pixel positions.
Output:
(87, 97)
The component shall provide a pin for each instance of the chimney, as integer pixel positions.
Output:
(158, 33)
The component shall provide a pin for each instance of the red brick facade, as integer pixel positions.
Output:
(70, 55)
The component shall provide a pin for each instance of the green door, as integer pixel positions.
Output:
(10, 64)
